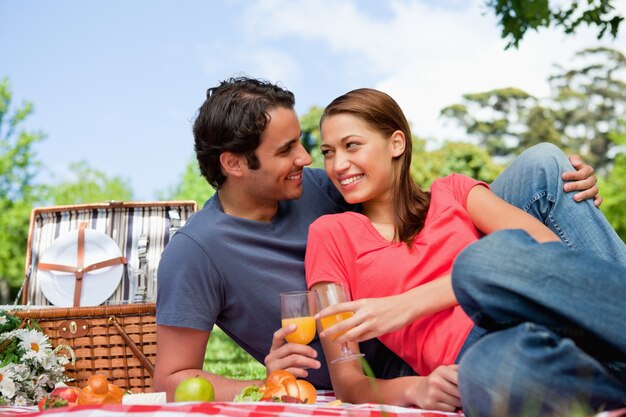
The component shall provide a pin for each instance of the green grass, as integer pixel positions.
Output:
(224, 357)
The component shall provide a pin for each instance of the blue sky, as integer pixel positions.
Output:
(117, 83)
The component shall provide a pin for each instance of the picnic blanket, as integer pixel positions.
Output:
(249, 409)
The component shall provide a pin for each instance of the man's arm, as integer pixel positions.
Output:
(180, 355)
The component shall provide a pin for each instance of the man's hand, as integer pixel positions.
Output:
(583, 180)
(439, 390)
(292, 357)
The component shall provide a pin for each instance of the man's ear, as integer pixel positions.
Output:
(232, 164)
(398, 143)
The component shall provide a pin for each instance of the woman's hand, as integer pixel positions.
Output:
(583, 180)
(439, 390)
(291, 357)
(372, 317)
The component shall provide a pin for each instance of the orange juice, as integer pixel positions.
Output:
(305, 330)
(334, 319)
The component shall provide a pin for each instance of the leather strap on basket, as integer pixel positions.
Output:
(133, 347)
(80, 270)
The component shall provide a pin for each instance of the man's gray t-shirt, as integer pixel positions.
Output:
(225, 270)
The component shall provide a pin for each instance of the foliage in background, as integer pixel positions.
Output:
(18, 193)
(224, 357)
(517, 17)
(495, 118)
(586, 103)
(453, 157)
(613, 189)
(193, 186)
(311, 135)
(87, 185)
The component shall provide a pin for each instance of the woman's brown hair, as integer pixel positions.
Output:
(383, 114)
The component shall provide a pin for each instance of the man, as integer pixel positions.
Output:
(228, 264)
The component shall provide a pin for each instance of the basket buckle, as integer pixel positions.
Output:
(70, 329)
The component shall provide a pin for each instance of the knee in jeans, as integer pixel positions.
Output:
(547, 156)
(488, 252)
(473, 258)
(479, 267)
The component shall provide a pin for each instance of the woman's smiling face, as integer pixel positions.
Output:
(358, 158)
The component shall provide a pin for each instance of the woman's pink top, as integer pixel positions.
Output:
(346, 248)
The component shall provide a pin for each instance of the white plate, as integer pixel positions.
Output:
(98, 285)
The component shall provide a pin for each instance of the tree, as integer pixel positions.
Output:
(193, 186)
(311, 135)
(517, 17)
(613, 187)
(585, 105)
(18, 167)
(504, 121)
(588, 102)
(87, 185)
(452, 157)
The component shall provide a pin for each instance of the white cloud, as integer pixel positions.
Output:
(423, 55)
(275, 65)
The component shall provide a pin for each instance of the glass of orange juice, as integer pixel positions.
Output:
(297, 307)
(327, 295)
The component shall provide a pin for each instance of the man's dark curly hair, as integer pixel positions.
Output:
(231, 119)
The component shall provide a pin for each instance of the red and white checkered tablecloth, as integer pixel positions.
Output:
(232, 409)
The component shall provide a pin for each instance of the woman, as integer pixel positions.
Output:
(414, 236)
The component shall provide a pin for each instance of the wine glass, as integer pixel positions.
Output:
(327, 295)
(297, 307)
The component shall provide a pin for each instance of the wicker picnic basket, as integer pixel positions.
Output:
(118, 337)
(118, 341)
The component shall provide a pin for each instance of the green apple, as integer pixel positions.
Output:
(194, 389)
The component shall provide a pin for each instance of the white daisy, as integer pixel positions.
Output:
(7, 385)
(43, 379)
(21, 401)
(49, 363)
(35, 368)
(3, 320)
(36, 344)
(22, 372)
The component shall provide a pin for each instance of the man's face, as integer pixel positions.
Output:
(282, 158)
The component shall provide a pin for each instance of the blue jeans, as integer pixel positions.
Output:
(533, 183)
(553, 314)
